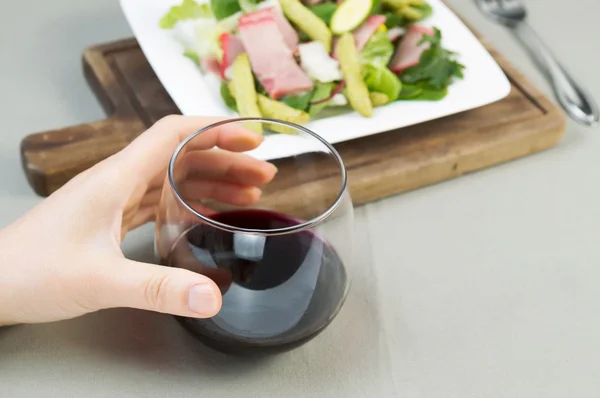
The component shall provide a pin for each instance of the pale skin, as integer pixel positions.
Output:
(63, 259)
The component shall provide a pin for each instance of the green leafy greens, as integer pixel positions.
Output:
(259, 88)
(410, 91)
(224, 8)
(421, 92)
(227, 97)
(378, 50)
(437, 66)
(380, 79)
(193, 55)
(376, 8)
(248, 5)
(409, 11)
(299, 101)
(321, 93)
(424, 9)
(324, 11)
(393, 19)
(188, 9)
(374, 58)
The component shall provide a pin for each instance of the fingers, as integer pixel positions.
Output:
(149, 154)
(221, 191)
(234, 167)
(162, 289)
(216, 174)
(192, 192)
(195, 190)
(221, 164)
(223, 167)
(148, 214)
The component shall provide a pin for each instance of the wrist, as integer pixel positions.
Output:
(7, 282)
(6, 308)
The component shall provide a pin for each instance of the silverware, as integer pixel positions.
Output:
(575, 100)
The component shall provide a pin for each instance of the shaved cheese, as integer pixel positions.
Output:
(317, 63)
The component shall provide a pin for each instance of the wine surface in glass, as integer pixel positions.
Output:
(279, 291)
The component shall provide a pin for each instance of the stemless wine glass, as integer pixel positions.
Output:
(282, 259)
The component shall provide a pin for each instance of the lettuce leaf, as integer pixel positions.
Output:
(207, 40)
(422, 92)
(324, 11)
(425, 10)
(374, 58)
(227, 97)
(378, 50)
(380, 79)
(322, 91)
(259, 87)
(224, 8)
(230, 23)
(299, 101)
(193, 55)
(437, 66)
(188, 9)
(409, 91)
(249, 5)
(431, 94)
(393, 19)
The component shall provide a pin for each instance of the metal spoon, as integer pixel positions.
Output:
(575, 100)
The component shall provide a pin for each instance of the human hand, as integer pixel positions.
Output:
(63, 258)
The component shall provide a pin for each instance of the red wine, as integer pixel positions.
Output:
(279, 291)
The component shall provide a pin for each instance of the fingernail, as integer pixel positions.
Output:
(247, 196)
(254, 194)
(202, 300)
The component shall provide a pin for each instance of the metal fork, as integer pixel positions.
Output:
(575, 100)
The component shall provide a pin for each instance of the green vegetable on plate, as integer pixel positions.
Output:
(188, 9)
(307, 21)
(424, 10)
(224, 8)
(349, 15)
(429, 94)
(299, 101)
(248, 5)
(273, 109)
(409, 91)
(378, 99)
(356, 89)
(244, 90)
(380, 79)
(422, 92)
(410, 10)
(193, 55)
(228, 97)
(324, 11)
(321, 93)
(378, 50)
(393, 19)
(437, 66)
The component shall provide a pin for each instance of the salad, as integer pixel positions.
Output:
(292, 60)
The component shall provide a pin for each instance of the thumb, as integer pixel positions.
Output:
(162, 289)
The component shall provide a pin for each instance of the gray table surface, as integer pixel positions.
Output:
(484, 286)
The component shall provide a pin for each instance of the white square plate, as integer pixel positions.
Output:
(197, 94)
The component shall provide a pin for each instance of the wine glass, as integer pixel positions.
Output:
(283, 262)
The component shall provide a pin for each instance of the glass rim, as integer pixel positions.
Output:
(276, 231)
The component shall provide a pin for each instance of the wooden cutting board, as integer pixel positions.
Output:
(379, 166)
